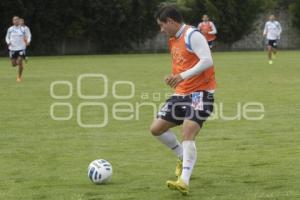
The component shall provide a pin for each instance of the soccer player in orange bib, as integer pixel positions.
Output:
(208, 29)
(193, 80)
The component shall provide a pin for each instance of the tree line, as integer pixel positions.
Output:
(111, 26)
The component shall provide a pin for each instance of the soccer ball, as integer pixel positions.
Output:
(100, 171)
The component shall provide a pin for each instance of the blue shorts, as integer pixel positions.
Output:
(17, 54)
(196, 107)
(272, 43)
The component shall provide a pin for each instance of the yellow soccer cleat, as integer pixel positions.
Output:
(178, 185)
(178, 169)
(19, 79)
(270, 62)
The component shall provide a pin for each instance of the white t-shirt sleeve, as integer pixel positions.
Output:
(266, 28)
(28, 34)
(213, 27)
(279, 29)
(7, 37)
(199, 46)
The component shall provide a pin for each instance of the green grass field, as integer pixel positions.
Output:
(41, 158)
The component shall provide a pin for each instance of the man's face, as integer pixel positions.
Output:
(205, 18)
(21, 21)
(15, 21)
(168, 27)
(272, 18)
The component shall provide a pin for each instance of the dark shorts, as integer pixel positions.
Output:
(196, 107)
(272, 43)
(17, 54)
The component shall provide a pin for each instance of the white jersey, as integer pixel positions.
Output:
(272, 30)
(211, 24)
(15, 38)
(27, 33)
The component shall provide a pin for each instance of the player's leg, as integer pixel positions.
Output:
(20, 68)
(13, 58)
(270, 53)
(160, 129)
(274, 49)
(190, 130)
(201, 106)
(14, 62)
(167, 118)
(25, 56)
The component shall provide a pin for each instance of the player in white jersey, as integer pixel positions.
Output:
(26, 33)
(272, 32)
(16, 39)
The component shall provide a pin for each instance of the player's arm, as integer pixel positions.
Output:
(213, 27)
(28, 35)
(279, 30)
(200, 47)
(199, 26)
(7, 37)
(265, 29)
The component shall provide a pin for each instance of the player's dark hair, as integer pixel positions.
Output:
(168, 11)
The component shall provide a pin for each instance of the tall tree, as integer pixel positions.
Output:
(295, 11)
(234, 18)
(108, 25)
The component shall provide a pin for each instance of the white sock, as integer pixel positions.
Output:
(189, 160)
(169, 139)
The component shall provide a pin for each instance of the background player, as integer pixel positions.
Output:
(208, 29)
(194, 82)
(15, 39)
(272, 32)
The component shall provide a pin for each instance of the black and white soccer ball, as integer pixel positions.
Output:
(100, 171)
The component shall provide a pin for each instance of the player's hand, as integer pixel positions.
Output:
(173, 80)
(167, 78)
